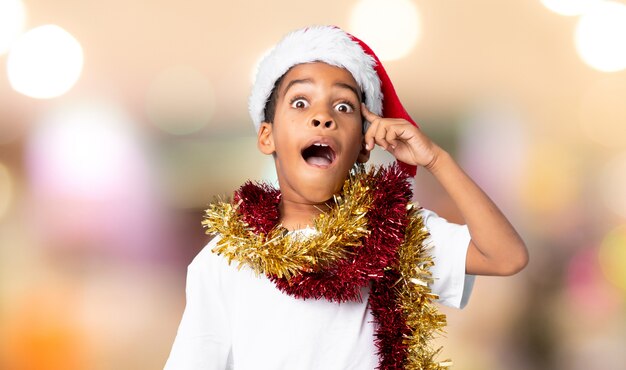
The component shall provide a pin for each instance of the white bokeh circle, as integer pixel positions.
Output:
(600, 36)
(45, 62)
(391, 28)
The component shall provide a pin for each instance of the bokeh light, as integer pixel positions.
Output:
(613, 257)
(89, 175)
(6, 190)
(612, 185)
(12, 18)
(603, 111)
(568, 7)
(552, 182)
(601, 35)
(83, 150)
(180, 101)
(586, 286)
(45, 62)
(495, 126)
(43, 331)
(391, 28)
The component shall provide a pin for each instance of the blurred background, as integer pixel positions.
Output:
(121, 120)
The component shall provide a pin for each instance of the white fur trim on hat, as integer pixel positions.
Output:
(326, 44)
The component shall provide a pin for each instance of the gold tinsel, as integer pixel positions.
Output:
(416, 297)
(285, 254)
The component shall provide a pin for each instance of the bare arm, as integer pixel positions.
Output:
(495, 247)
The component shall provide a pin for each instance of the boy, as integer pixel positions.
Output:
(354, 291)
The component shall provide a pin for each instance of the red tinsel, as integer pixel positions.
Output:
(370, 262)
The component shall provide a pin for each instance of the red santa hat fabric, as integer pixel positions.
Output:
(331, 45)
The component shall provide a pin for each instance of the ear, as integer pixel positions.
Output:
(265, 138)
(364, 154)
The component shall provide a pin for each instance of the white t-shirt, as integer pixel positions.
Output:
(235, 319)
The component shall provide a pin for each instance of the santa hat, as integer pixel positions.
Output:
(331, 45)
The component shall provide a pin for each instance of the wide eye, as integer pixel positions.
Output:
(344, 108)
(299, 103)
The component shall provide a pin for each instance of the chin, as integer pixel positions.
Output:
(325, 192)
(319, 195)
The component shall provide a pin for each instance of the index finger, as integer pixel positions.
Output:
(367, 114)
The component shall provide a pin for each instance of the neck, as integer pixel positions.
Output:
(295, 215)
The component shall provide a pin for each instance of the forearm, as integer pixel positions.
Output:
(496, 248)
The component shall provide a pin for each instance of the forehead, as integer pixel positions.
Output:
(318, 72)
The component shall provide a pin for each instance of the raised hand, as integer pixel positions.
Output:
(399, 137)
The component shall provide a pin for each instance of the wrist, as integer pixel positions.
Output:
(439, 156)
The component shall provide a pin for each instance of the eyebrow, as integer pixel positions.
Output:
(349, 87)
(310, 81)
(293, 82)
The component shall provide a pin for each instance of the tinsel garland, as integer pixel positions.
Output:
(274, 251)
(372, 233)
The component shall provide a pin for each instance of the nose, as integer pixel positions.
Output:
(322, 117)
(323, 123)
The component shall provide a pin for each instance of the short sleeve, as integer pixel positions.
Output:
(449, 243)
(203, 339)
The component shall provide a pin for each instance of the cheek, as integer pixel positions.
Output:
(355, 145)
(288, 114)
(356, 135)
(286, 137)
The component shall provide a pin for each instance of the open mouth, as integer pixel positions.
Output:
(319, 155)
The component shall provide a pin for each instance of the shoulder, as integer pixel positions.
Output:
(439, 227)
(445, 237)
(210, 272)
(206, 256)
(208, 262)
(430, 216)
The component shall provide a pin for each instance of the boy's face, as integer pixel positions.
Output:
(316, 136)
